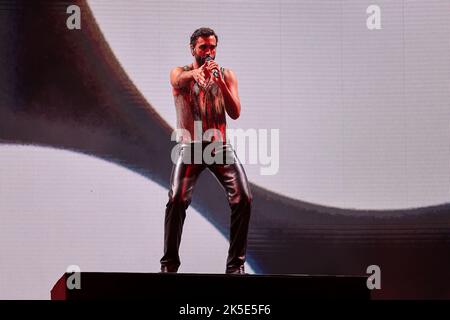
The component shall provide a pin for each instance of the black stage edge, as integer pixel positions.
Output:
(210, 288)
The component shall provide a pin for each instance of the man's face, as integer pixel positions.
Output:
(204, 47)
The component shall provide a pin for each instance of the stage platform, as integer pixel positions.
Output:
(212, 288)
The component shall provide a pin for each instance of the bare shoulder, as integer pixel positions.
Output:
(176, 71)
(229, 76)
(174, 74)
(229, 73)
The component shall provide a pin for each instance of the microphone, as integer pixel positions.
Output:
(215, 73)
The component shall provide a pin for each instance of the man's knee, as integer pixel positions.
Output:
(242, 199)
(247, 199)
(179, 199)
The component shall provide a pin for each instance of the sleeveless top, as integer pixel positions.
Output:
(207, 105)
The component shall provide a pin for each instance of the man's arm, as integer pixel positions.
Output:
(230, 93)
(229, 87)
(179, 78)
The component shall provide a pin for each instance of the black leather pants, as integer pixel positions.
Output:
(233, 179)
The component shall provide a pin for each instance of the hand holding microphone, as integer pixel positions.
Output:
(215, 72)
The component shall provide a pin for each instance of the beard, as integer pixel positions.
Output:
(201, 60)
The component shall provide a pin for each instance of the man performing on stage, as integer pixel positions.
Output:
(203, 92)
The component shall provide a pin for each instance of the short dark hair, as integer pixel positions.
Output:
(202, 32)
